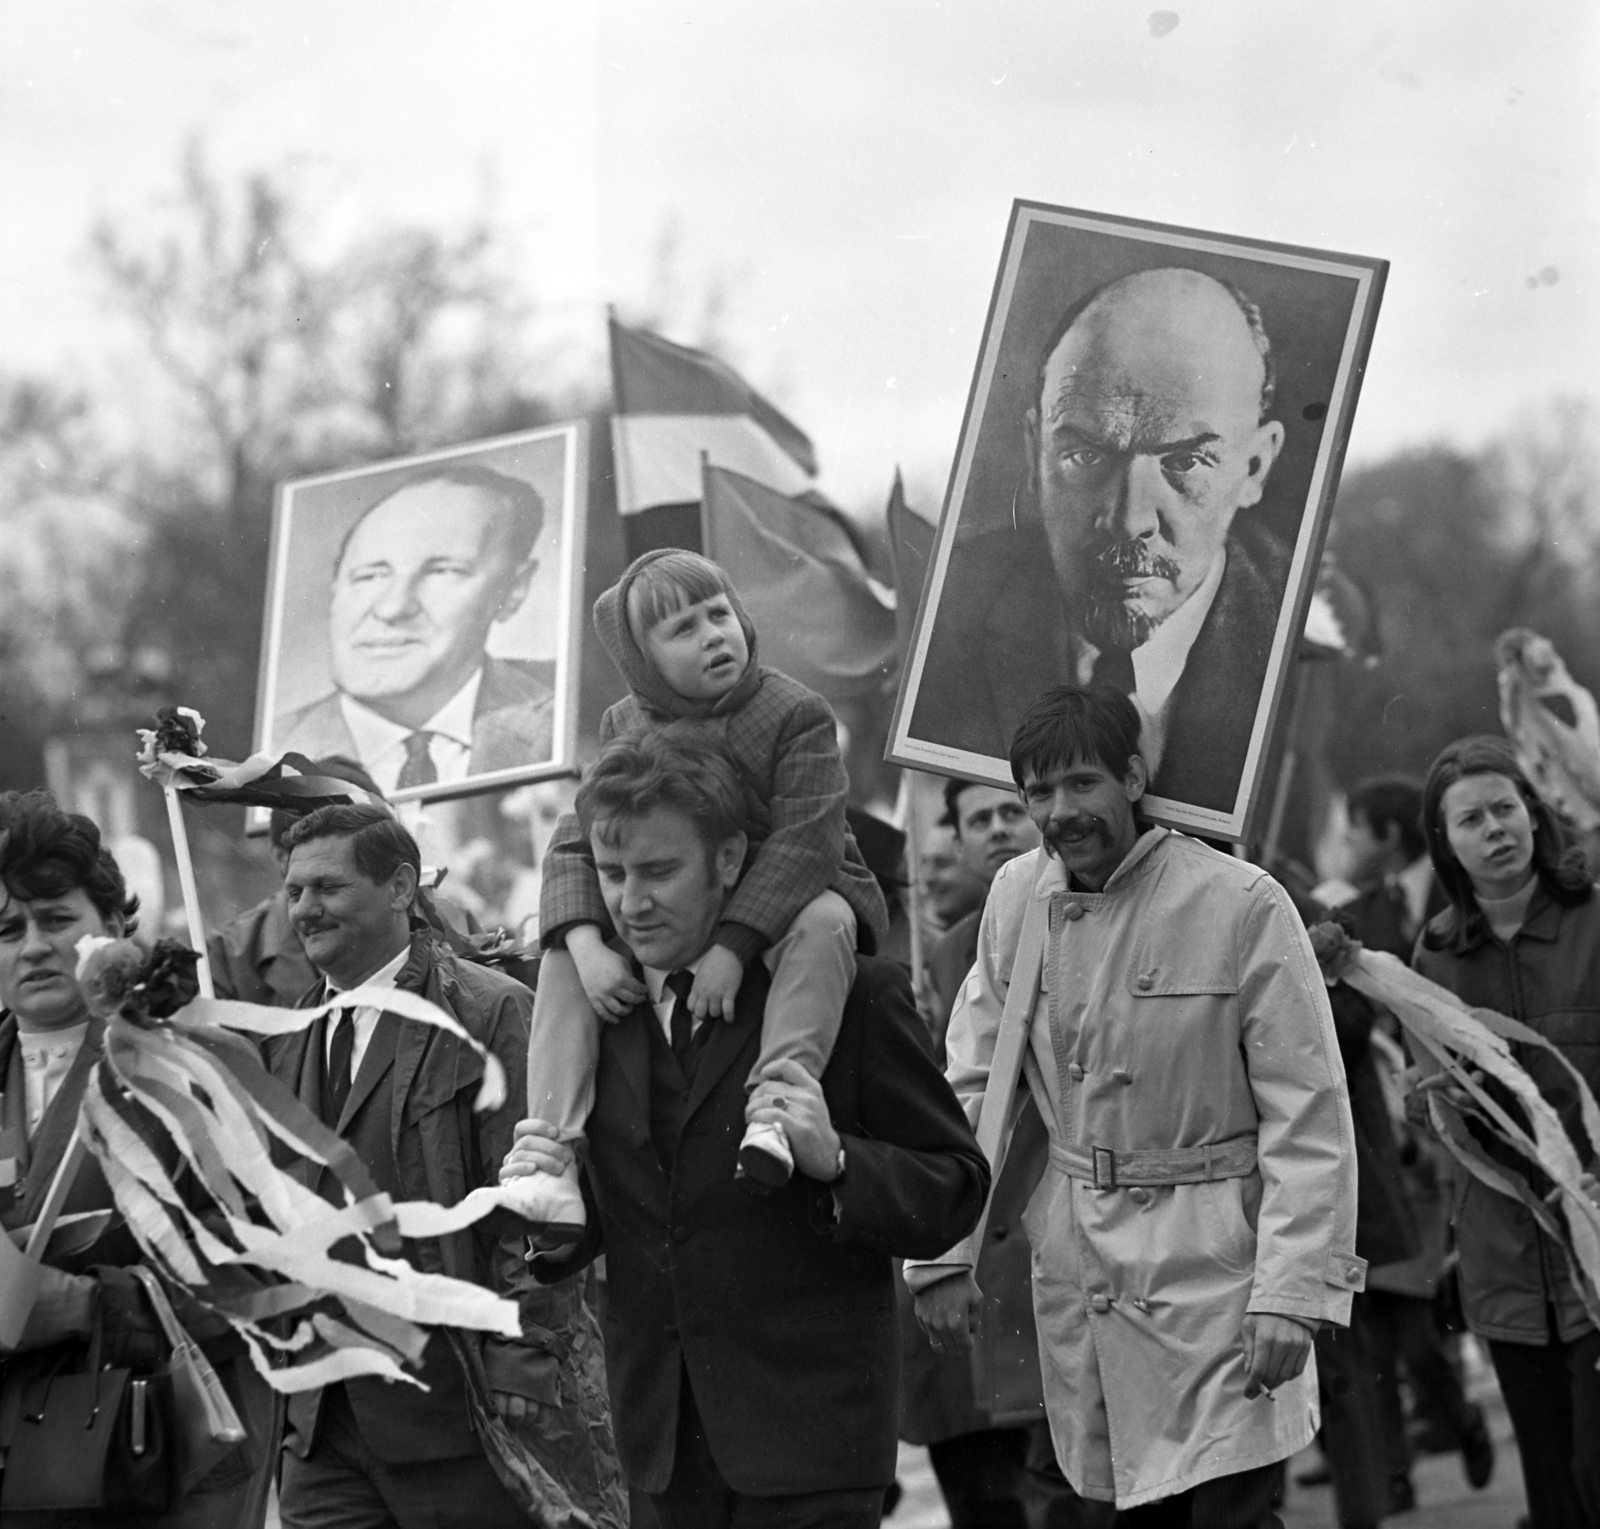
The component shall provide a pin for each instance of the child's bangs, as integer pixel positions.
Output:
(669, 584)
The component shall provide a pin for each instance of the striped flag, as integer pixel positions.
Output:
(673, 405)
(822, 618)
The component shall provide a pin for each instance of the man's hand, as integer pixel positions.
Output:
(1275, 1350)
(788, 1096)
(949, 1313)
(716, 984)
(1415, 1099)
(535, 1148)
(607, 978)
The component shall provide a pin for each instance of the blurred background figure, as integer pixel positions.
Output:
(990, 827)
(1385, 886)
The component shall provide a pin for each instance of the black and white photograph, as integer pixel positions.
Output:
(1139, 497)
(423, 614)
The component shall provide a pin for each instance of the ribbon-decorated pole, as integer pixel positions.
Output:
(1471, 1075)
(191, 893)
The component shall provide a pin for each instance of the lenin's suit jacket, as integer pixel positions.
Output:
(786, 1324)
(1002, 638)
(511, 725)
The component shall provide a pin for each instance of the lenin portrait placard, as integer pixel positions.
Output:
(1139, 498)
(422, 616)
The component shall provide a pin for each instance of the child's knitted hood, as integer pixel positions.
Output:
(612, 627)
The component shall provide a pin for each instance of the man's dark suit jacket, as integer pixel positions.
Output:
(784, 1321)
(512, 724)
(1002, 638)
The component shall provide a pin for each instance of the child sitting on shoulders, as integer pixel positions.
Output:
(675, 627)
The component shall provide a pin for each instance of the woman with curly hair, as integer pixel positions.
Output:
(1521, 935)
(59, 883)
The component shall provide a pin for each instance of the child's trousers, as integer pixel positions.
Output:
(813, 965)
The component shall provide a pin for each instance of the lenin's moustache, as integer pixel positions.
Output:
(1110, 620)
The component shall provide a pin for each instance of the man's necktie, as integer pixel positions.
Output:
(1114, 667)
(340, 1053)
(419, 769)
(681, 1024)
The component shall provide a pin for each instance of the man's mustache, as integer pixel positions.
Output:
(1075, 828)
(1131, 558)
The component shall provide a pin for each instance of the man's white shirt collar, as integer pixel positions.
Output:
(366, 1017)
(381, 744)
(1158, 665)
(655, 981)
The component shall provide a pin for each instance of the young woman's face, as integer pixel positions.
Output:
(1490, 832)
(39, 956)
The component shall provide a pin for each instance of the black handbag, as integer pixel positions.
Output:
(89, 1438)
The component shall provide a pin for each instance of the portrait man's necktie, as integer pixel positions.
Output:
(1114, 667)
(419, 768)
(340, 1052)
(681, 1024)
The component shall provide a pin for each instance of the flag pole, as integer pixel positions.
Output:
(191, 896)
(913, 822)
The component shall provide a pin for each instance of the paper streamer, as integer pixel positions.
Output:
(185, 1099)
(1468, 1044)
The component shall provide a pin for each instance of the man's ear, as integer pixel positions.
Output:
(403, 886)
(730, 860)
(1264, 447)
(1137, 778)
(517, 590)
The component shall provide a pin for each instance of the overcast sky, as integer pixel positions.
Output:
(844, 171)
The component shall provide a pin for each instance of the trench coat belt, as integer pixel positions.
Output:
(1105, 1169)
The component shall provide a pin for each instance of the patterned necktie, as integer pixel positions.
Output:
(681, 1024)
(419, 769)
(340, 1054)
(1114, 667)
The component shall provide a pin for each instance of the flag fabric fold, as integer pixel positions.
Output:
(911, 541)
(823, 620)
(673, 405)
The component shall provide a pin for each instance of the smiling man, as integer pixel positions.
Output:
(751, 1341)
(419, 583)
(1147, 436)
(1196, 1222)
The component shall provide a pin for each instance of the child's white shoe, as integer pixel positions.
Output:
(553, 1202)
(764, 1155)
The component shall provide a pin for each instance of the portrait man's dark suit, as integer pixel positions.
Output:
(1002, 637)
(783, 1319)
(512, 723)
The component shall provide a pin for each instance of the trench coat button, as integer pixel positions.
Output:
(1122, 1075)
(1099, 1303)
(680, 1234)
(1072, 910)
(1145, 982)
(1075, 1072)
(1139, 1197)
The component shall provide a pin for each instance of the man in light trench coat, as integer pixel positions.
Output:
(1197, 1221)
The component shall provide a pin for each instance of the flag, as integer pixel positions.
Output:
(672, 405)
(911, 549)
(1342, 618)
(822, 618)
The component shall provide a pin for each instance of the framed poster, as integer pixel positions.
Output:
(423, 616)
(1139, 498)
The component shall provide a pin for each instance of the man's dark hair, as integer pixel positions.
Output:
(524, 506)
(671, 768)
(1395, 801)
(1560, 866)
(1094, 724)
(45, 852)
(339, 767)
(953, 787)
(1246, 306)
(380, 842)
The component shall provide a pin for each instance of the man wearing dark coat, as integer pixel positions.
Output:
(401, 1094)
(418, 584)
(751, 1341)
(1149, 566)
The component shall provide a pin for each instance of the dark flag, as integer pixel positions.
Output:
(910, 549)
(822, 618)
(673, 405)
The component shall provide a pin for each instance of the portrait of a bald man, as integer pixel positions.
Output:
(418, 584)
(1148, 435)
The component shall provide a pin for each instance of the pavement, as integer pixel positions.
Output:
(1444, 1500)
